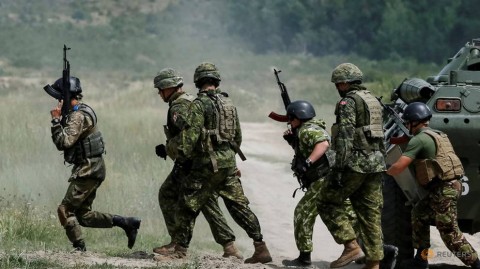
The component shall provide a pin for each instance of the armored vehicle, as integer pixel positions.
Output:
(453, 96)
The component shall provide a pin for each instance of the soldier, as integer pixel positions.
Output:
(169, 85)
(357, 138)
(77, 135)
(310, 142)
(211, 141)
(438, 169)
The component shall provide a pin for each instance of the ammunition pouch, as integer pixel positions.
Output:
(89, 147)
(426, 170)
(446, 166)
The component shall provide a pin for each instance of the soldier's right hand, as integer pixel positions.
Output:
(289, 136)
(57, 111)
(161, 151)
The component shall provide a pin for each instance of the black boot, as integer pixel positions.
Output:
(390, 253)
(420, 261)
(130, 225)
(303, 260)
(414, 264)
(79, 245)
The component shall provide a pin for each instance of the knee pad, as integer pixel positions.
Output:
(71, 222)
(62, 214)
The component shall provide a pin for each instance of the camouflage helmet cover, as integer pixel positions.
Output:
(206, 70)
(346, 72)
(167, 78)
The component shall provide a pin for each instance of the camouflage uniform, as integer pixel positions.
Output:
(203, 181)
(439, 206)
(87, 176)
(169, 191)
(357, 174)
(309, 134)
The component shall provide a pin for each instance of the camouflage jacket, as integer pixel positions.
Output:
(179, 105)
(64, 137)
(202, 115)
(347, 156)
(309, 134)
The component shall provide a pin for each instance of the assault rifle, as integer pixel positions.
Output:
(393, 116)
(285, 98)
(65, 94)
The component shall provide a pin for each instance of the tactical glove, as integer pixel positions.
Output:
(289, 138)
(161, 151)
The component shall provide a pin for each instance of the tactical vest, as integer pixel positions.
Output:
(90, 144)
(446, 165)
(368, 134)
(170, 129)
(219, 128)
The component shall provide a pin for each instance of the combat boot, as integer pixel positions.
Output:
(303, 260)
(179, 253)
(390, 254)
(414, 263)
(165, 249)
(261, 253)
(230, 250)
(351, 252)
(79, 245)
(476, 264)
(372, 265)
(130, 225)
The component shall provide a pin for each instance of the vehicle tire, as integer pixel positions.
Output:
(396, 219)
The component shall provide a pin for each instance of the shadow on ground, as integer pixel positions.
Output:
(447, 266)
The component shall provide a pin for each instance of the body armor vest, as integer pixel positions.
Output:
(369, 126)
(222, 127)
(90, 144)
(219, 129)
(446, 165)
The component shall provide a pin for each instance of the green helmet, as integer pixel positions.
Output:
(167, 78)
(206, 70)
(346, 72)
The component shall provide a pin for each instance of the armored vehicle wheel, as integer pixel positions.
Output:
(396, 216)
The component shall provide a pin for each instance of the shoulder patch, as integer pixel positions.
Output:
(343, 102)
(174, 117)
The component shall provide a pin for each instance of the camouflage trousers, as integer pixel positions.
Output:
(198, 188)
(306, 213)
(168, 196)
(304, 217)
(439, 207)
(365, 194)
(76, 208)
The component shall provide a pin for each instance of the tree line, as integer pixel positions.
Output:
(425, 30)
